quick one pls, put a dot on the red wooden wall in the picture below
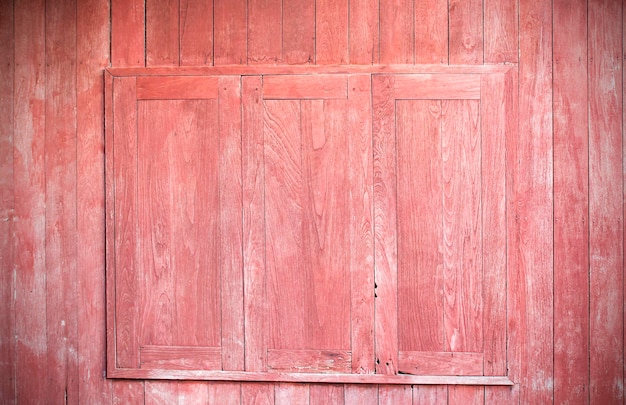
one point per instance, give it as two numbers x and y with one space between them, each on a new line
566 255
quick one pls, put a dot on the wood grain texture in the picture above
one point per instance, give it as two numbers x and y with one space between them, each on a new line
466 395
531 249
420 250
229 32
177 87
465 31
161 392
181 357
298 36
397 31
325 232
129 392
606 210
291 394
385 226
127 33
361 226
435 86
571 203
501 30
431 31
306 87
430 395
196 32
309 361
462 244
331 31
7 206
310 69
231 239
363 31
493 112
257 394
360 394
389 395
302 163
265 30
224 392
283 199
122 282
255 278
60 191
162 33
322 394
440 363
92 48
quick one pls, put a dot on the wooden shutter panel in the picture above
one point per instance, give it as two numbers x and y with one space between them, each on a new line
174 224
331 227
312 145
440 221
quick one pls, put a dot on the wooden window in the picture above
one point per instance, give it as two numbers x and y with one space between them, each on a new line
329 227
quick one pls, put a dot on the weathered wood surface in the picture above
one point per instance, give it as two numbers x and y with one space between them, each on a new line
7 205
513 31
606 203
571 203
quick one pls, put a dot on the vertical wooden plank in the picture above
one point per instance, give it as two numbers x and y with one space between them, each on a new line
193 393
194 212
493 221
358 394
161 392
571 211
431 31
430 395
531 240
60 167
501 31
92 50
231 260
255 310
162 33
224 393
462 244
122 284
465 395
361 227
178 144
324 232
7 206
385 231
257 394
265 30
397 31
466 31
498 395
229 32
127 32
128 392
298 34
363 32
323 394
606 278
282 153
196 32
395 394
420 252
291 394
331 31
